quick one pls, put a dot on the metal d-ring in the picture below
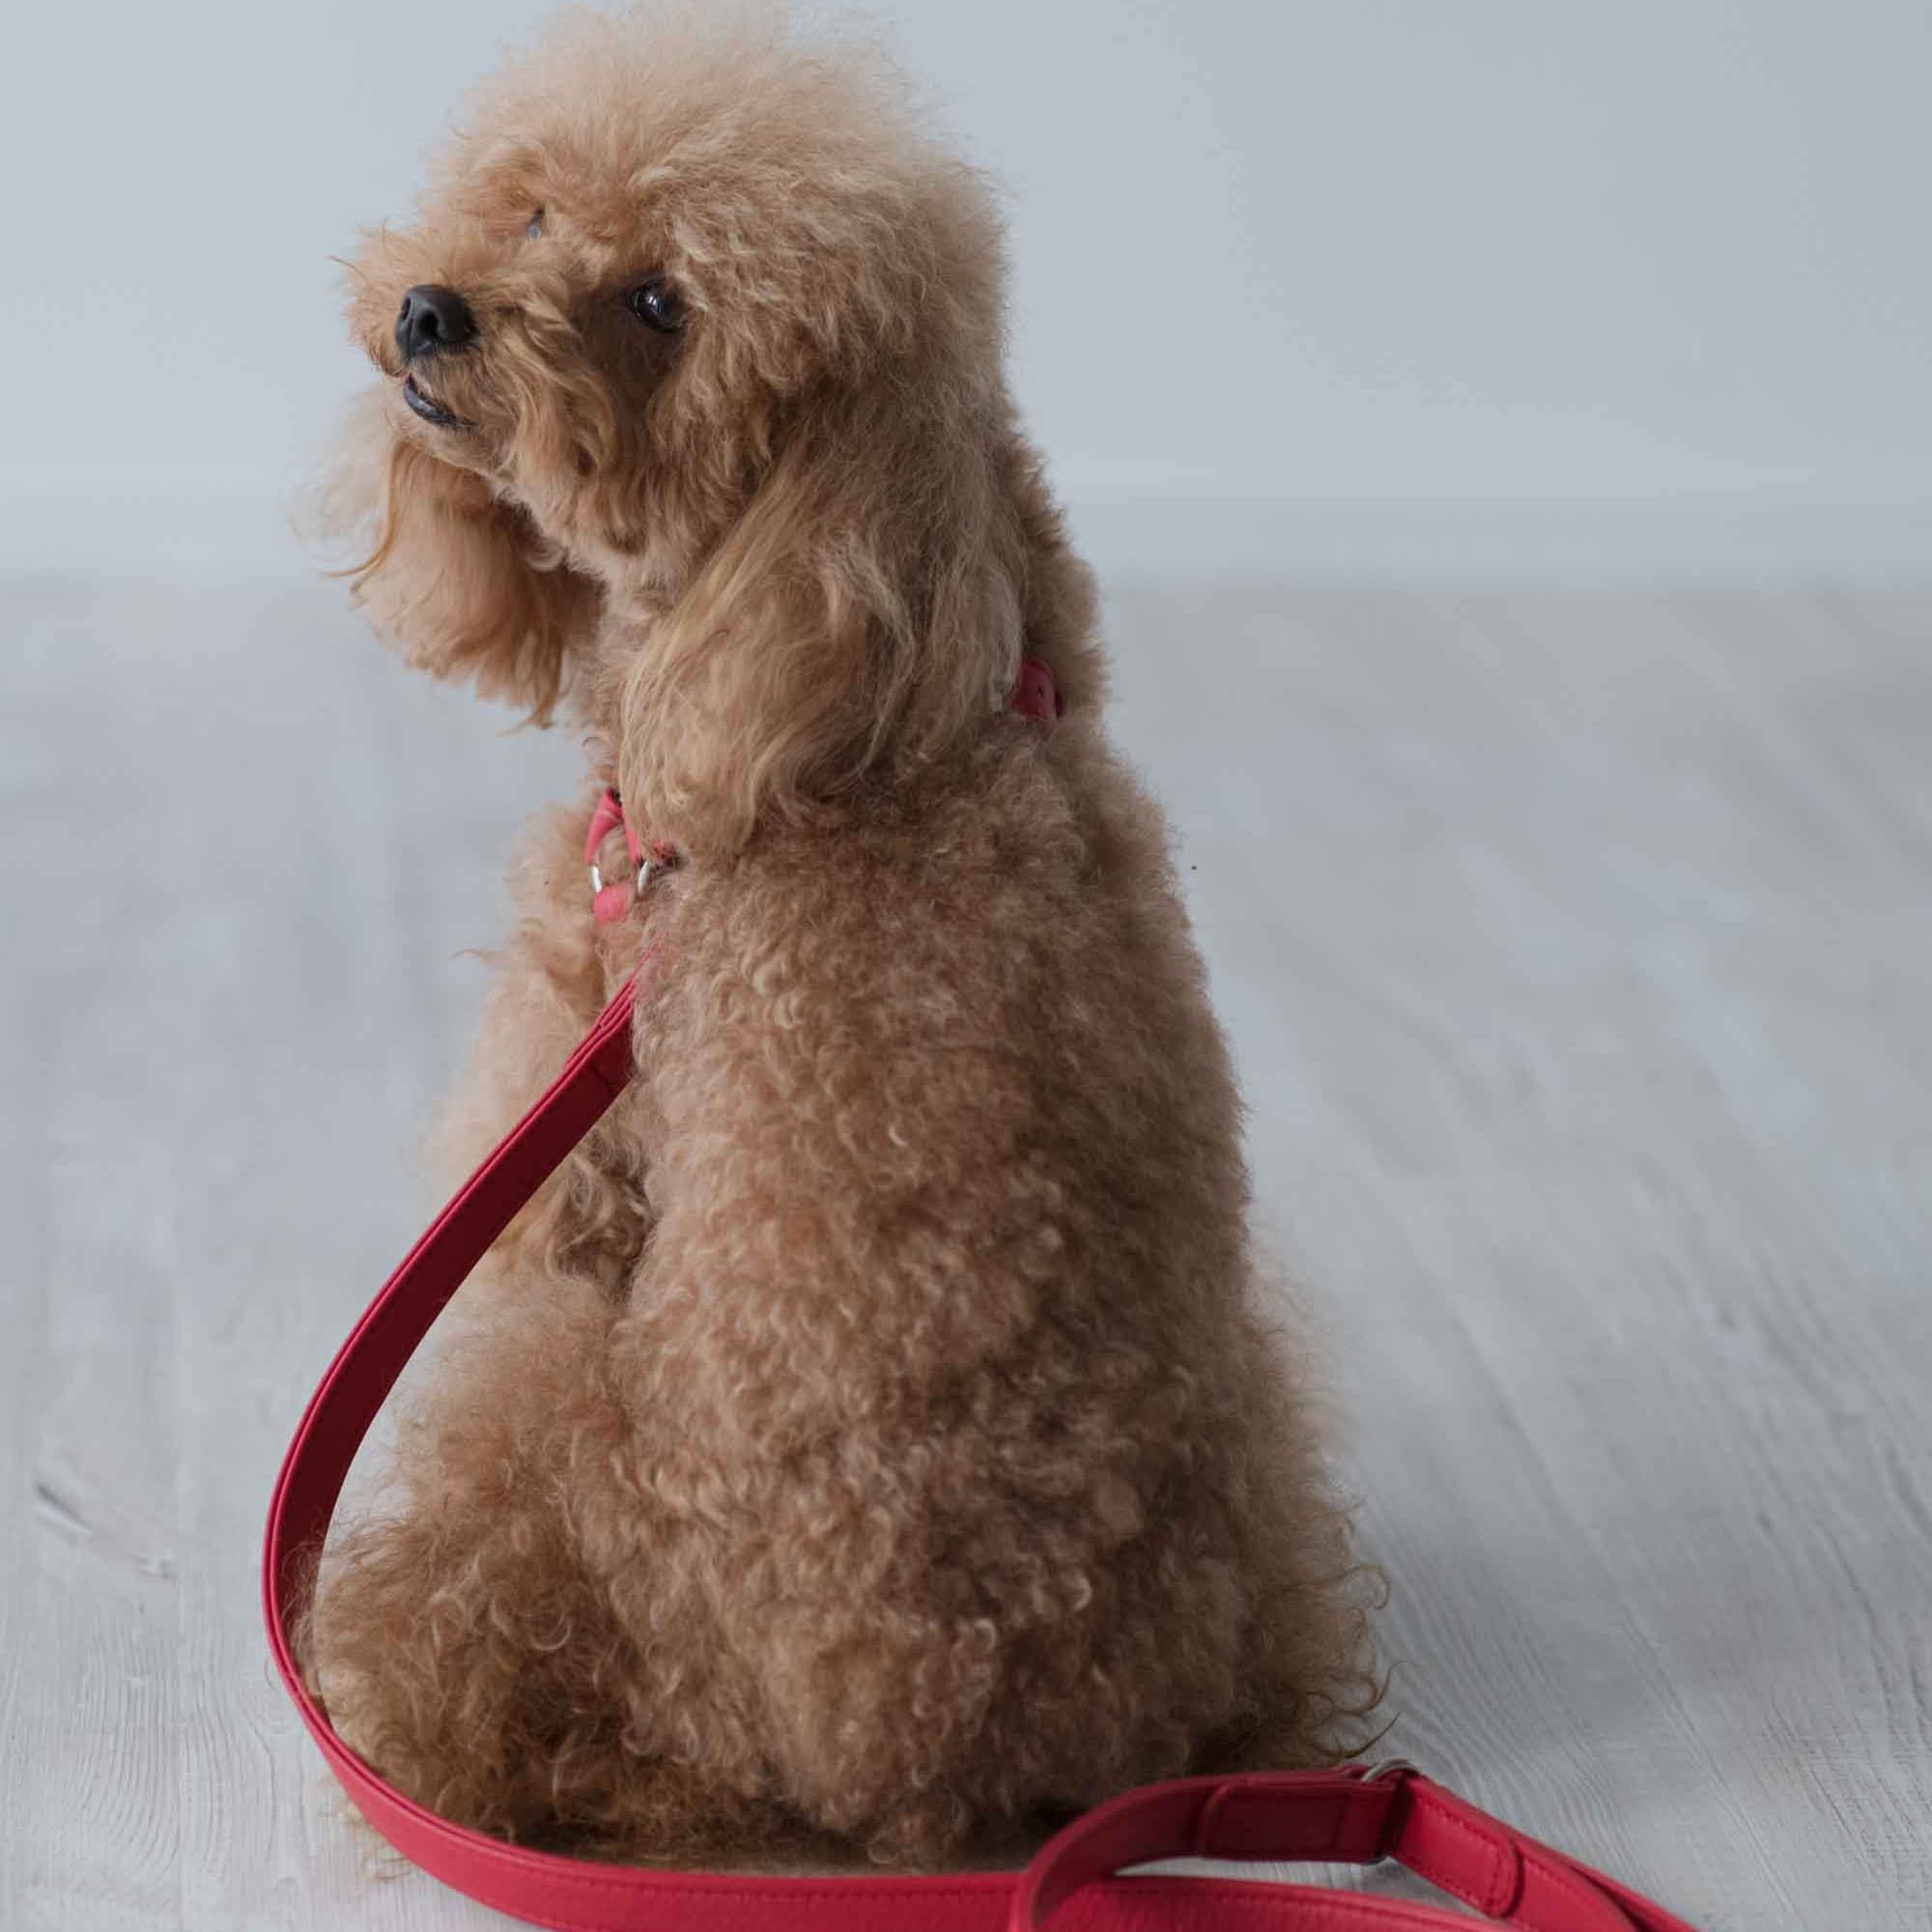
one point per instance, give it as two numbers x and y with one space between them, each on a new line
647 870
1384 1770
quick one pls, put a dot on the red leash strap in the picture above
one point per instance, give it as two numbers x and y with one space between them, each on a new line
1352 1816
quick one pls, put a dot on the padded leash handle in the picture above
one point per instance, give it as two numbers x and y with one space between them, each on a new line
1350 1816
1358 1815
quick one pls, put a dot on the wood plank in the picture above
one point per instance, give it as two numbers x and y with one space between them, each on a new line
1596 1105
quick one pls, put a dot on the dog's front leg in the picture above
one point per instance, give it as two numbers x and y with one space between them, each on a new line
456 1637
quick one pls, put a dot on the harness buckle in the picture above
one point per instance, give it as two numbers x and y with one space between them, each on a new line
610 904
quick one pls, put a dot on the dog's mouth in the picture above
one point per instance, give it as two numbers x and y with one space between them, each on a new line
431 412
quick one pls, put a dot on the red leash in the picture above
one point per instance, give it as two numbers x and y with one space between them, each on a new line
1353 1816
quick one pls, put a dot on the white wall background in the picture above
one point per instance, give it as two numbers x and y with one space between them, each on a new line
1383 282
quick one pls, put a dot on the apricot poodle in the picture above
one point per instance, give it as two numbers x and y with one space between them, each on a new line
876 1437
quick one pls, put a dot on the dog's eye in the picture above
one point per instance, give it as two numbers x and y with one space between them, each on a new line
657 306
534 226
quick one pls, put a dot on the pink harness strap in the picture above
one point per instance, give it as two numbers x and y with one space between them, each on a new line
1356 1815
1034 695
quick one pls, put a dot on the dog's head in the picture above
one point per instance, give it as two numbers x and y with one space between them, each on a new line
691 404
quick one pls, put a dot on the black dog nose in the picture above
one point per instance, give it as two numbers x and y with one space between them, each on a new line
433 317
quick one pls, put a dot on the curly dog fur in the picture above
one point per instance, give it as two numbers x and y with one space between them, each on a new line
875 1434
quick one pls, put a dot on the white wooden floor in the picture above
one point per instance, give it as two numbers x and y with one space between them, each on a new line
1577 949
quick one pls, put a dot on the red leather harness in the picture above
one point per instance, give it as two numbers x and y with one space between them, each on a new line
1357 1815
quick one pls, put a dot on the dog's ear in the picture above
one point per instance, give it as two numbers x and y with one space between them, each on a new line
871 602
459 581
